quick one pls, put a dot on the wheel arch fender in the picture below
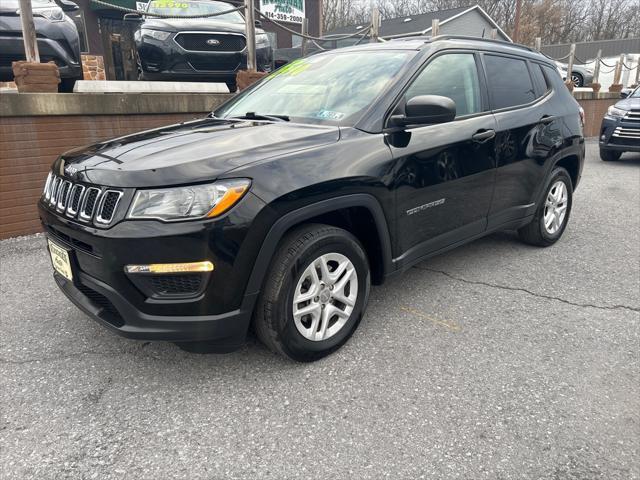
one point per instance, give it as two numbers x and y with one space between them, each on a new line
308 212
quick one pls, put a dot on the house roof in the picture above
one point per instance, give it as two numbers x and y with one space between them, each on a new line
415 24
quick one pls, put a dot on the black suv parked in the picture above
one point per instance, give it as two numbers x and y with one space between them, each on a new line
335 172
208 49
57 38
620 130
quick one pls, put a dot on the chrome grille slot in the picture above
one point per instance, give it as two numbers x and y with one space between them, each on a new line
53 199
63 194
89 203
622 132
632 116
108 205
47 186
75 196
86 203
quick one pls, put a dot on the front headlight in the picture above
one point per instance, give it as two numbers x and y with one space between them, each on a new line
54 14
262 39
616 112
190 202
157 34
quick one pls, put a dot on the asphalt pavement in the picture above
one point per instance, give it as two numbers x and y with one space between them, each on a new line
497 360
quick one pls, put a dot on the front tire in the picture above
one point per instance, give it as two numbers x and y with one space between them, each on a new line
609 155
552 215
314 294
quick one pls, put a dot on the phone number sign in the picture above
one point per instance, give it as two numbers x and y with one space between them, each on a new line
291 11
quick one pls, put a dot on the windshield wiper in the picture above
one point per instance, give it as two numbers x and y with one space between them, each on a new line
260 116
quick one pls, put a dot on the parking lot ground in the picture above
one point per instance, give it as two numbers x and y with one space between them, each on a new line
496 360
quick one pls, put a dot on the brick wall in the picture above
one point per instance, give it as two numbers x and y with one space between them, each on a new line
28 146
594 110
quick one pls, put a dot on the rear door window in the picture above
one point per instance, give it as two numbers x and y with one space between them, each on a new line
508 81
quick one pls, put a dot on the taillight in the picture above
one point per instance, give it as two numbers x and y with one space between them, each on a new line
581 110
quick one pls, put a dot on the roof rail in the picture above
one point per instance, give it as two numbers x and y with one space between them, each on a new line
428 38
492 40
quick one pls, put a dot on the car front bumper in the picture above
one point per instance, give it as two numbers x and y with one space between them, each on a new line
166 60
621 134
12 50
218 312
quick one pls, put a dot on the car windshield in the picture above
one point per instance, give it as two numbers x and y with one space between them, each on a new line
635 93
179 8
332 88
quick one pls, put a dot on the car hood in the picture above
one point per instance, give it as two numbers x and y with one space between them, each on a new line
629 104
190 152
195 24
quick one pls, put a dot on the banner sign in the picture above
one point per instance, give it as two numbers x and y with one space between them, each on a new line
291 11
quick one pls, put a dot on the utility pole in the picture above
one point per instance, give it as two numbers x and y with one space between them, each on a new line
250 30
516 22
29 32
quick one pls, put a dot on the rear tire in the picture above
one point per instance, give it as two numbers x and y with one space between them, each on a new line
552 215
609 155
320 269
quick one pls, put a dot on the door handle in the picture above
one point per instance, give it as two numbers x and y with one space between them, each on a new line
483 136
547 119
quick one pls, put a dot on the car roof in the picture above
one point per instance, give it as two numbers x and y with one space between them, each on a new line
454 41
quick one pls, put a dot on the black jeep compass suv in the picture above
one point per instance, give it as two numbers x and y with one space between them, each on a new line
334 172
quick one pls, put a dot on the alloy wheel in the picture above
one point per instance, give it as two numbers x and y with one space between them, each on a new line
555 208
325 296
577 80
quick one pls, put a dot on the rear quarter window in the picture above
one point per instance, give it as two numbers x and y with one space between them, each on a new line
538 79
509 82
553 77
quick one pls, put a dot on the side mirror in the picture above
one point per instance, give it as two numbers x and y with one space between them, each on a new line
133 17
624 93
67 5
426 110
258 23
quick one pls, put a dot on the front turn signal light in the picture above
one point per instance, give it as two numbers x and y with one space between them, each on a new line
159 268
228 200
